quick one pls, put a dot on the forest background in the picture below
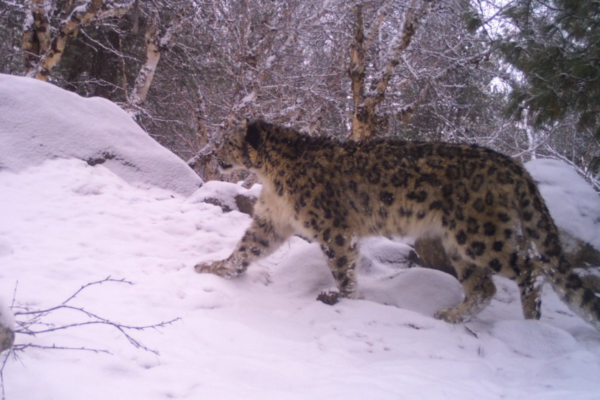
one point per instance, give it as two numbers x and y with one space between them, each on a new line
520 76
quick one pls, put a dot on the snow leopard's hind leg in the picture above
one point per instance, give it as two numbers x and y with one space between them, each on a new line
478 289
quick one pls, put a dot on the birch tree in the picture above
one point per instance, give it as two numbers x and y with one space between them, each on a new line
277 65
447 82
42 52
418 72
159 40
368 98
36 34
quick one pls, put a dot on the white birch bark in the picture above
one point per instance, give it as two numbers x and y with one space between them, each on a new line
363 119
156 45
36 34
88 13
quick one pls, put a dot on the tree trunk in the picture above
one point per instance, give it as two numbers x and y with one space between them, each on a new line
156 44
365 104
36 35
80 16
357 67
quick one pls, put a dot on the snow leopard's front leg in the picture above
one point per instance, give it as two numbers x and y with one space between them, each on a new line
261 239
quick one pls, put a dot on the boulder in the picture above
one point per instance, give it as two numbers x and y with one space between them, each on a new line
228 196
39 122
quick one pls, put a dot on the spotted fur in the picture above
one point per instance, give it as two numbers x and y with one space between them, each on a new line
484 206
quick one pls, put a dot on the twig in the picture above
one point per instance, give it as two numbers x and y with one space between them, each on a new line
12 303
2 373
107 279
27 319
22 347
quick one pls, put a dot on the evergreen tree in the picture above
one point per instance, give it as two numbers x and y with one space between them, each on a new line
556 47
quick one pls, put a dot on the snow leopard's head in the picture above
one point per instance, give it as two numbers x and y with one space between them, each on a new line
239 147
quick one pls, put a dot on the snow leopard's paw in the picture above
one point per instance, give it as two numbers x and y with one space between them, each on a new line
220 268
451 315
329 297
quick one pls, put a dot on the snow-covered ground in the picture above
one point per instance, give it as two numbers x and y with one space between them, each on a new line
64 223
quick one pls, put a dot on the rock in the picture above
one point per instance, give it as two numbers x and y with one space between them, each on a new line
227 196
40 122
216 202
245 203
429 253
7 338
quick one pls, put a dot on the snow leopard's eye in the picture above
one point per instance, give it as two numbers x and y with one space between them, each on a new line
224 166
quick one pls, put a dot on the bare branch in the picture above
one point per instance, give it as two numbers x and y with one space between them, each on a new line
363 119
28 319
81 16
87 285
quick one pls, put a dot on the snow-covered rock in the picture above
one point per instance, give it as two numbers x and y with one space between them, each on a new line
573 204
39 121
228 196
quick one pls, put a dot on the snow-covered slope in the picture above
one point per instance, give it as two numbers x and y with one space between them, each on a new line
64 223
39 121
574 205
262 336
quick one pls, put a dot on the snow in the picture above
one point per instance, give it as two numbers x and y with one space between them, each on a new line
269 61
574 205
249 98
39 121
262 336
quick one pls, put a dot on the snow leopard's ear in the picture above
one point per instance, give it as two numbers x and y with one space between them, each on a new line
254 133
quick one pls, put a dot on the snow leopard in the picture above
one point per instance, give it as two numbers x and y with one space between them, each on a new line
484 206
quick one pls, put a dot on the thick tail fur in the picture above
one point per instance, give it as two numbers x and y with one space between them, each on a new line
540 230
571 289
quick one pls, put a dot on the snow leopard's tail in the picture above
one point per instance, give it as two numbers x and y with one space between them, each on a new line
539 229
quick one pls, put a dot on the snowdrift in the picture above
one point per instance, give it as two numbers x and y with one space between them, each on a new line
39 121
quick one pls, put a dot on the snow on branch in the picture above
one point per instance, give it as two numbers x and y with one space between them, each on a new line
88 13
36 34
264 44
412 19
203 156
365 103
159 40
